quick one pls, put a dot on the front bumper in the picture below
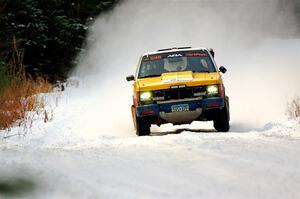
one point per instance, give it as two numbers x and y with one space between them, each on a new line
166 107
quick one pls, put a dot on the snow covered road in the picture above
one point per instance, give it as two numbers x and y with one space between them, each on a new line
182 164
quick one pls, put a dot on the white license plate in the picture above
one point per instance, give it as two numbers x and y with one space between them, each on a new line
180 108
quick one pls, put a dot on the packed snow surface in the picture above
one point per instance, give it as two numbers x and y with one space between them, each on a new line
63 159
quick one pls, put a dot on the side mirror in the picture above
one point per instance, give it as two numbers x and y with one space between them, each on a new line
222 69
130 78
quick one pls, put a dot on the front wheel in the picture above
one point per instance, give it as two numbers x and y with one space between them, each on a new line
142 127
221 121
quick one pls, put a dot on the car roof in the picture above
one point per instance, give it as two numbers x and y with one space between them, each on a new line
174 49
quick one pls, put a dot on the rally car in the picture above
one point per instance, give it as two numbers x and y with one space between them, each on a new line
179 85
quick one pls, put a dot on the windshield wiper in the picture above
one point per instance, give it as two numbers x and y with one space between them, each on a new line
202 71
150 76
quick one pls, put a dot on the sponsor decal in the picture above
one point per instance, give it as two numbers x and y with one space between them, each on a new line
196 54
175 55
156 57
176 80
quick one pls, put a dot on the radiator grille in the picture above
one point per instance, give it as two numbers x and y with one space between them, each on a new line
179 93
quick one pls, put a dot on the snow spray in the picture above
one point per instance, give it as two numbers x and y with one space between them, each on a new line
257 41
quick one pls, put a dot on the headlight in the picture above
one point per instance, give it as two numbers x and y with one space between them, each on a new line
146 96
212 89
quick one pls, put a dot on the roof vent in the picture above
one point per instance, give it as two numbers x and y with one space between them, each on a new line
165 49
184 47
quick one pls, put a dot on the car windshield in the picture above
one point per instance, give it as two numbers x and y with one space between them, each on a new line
195 61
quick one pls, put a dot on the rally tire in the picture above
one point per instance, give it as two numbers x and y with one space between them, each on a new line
142 127
221 121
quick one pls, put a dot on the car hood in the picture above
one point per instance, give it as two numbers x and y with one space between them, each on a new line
187 78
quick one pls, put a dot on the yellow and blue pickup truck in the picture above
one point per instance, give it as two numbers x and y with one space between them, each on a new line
179 85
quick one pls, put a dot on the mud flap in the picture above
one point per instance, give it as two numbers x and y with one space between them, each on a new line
227 105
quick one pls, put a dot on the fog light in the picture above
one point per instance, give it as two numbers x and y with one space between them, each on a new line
212 89
145 96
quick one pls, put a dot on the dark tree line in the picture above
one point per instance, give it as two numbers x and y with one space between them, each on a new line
50 32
